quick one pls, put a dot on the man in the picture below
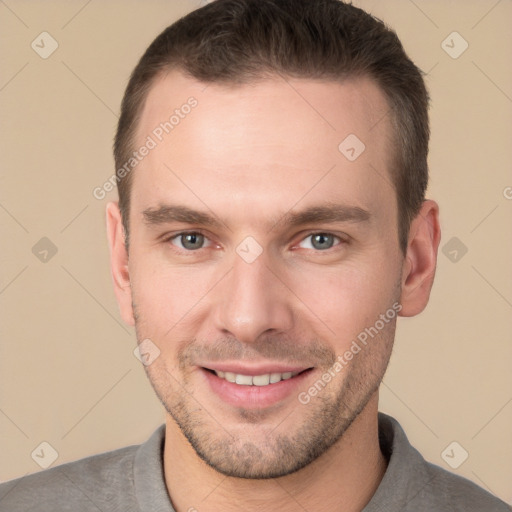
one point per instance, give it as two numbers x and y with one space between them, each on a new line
272 224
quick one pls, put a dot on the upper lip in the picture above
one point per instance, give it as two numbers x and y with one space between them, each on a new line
251 370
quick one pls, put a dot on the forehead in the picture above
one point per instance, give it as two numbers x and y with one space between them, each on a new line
274 139
327 108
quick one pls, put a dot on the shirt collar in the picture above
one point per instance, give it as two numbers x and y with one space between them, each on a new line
148 475
396 489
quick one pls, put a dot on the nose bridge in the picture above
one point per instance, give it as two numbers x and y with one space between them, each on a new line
252 301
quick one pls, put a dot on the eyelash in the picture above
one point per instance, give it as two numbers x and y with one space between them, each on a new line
169 239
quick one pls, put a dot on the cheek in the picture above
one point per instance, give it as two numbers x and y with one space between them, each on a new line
348 299
166 295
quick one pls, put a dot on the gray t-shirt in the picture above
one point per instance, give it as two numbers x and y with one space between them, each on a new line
132 480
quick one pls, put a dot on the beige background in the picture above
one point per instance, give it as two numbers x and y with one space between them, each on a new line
68 375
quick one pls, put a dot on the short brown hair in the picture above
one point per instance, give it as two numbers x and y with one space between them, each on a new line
239 41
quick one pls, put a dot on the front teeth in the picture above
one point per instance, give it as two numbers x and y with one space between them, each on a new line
243 379
255 380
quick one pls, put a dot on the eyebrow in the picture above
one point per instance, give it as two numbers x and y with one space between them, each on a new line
326 213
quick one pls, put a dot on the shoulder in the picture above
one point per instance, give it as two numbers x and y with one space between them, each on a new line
411 483
446 491
87 484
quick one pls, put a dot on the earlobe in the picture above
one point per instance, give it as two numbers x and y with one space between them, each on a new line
420 261
119 262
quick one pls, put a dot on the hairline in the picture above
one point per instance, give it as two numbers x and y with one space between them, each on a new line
393 161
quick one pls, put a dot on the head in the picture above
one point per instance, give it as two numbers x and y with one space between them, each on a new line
244 41
279 216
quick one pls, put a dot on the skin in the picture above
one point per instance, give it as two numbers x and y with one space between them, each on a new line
247 155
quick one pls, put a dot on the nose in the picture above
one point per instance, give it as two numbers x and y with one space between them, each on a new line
253 301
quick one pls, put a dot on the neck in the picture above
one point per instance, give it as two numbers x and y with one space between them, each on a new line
344 478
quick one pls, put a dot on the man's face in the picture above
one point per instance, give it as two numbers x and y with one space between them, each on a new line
261 291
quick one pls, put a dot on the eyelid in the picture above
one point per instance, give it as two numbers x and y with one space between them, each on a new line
170 237
342 240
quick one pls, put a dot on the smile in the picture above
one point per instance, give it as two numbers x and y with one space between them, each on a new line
255 387
255 380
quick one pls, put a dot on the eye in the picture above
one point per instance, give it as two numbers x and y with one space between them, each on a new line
189 241
319 241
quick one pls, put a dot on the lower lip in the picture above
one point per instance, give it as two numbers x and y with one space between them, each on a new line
254 397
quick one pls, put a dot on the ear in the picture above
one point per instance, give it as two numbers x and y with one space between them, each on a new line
119 262
420 261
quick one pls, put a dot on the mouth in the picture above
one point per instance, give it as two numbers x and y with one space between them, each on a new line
264 379
255 388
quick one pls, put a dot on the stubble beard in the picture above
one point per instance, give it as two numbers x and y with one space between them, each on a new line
280 449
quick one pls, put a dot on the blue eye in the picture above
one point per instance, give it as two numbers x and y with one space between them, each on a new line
190 241
320 241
